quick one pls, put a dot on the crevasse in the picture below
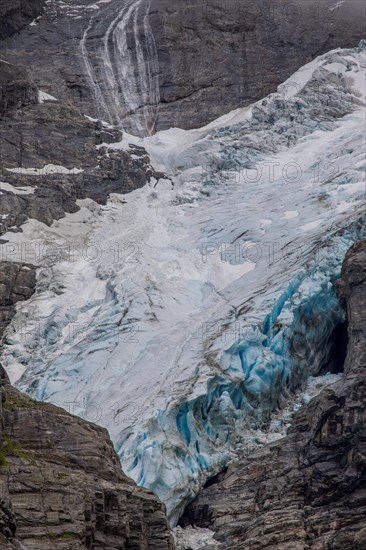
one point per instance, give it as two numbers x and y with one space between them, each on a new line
258 374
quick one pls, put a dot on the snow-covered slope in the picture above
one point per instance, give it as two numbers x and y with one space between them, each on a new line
179 316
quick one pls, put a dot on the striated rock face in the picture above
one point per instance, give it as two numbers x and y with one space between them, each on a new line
308 490
62 146
61 485
220 56
202 58
60 156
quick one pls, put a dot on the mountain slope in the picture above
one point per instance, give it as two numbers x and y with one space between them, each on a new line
181 315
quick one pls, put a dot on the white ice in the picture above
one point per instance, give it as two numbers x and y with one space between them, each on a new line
45 170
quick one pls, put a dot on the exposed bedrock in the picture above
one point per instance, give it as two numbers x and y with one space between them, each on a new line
16 88
197 60
308 490
221 56
62 486
16 14
17 283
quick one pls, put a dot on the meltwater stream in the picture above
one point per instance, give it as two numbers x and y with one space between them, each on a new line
120 57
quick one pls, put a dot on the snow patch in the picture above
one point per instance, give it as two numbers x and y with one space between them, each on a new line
46 170
26 190
344 206
336 6
290 215
194 538
43 96
311 225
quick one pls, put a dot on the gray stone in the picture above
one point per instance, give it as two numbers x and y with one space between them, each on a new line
17 282
62 487
16 88
15 14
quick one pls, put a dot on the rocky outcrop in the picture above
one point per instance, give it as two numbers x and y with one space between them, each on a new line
208 58
17 282
308 490
62 486
222 56
68 160
16 88
63 156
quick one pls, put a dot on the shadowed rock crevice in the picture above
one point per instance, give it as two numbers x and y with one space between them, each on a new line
338 344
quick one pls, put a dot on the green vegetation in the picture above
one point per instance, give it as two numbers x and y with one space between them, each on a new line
2 459
9 449
15 400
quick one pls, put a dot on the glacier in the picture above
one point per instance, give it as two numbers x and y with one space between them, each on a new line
182 315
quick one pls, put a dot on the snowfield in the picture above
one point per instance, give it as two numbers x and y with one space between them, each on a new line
181 315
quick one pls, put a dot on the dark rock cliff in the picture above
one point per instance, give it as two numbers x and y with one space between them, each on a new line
15 14
211 57
17 282
16 88
308 490
218 56
61 485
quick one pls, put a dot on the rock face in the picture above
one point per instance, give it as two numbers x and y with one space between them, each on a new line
201 60
308 490
16 88
15 14
221 56
17 282
60 155
62 486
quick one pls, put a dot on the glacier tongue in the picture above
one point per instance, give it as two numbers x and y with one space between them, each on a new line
180 316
